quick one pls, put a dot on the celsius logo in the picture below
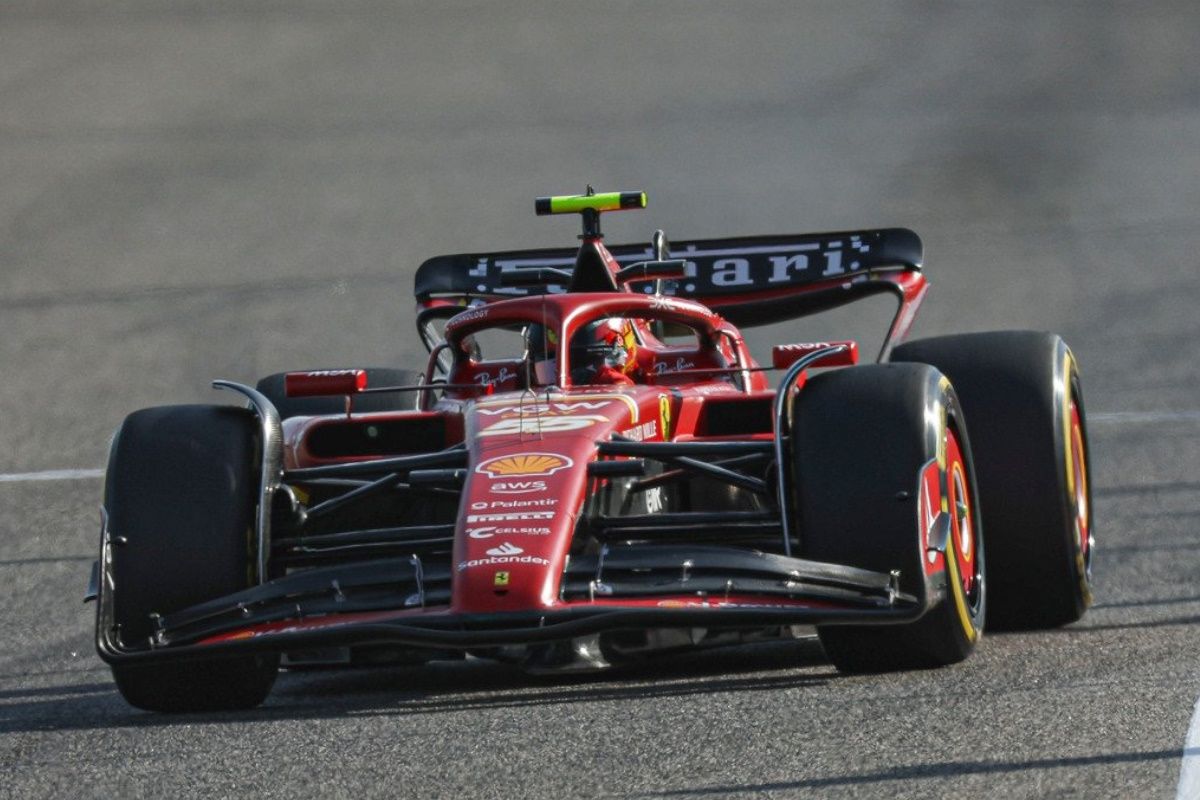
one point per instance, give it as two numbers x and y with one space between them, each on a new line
524 464
494 530
482 533
505 549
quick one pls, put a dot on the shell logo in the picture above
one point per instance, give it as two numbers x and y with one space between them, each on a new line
523 464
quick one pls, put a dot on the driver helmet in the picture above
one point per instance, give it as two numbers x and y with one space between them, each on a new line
604 351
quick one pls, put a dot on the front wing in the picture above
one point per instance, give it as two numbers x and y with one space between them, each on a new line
398 602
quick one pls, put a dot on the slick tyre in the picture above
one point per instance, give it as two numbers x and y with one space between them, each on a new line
879 451
273 387
1022 393
180 496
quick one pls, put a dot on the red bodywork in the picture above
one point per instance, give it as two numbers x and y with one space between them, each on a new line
526 485
530 439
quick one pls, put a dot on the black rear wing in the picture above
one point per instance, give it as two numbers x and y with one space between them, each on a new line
750 280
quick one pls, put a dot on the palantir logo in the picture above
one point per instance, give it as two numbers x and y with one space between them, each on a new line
505 549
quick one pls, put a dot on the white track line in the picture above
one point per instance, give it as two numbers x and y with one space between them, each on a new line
1189 770
51 475
1130 417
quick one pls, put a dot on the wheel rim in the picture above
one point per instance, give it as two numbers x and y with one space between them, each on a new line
964 545
1082 509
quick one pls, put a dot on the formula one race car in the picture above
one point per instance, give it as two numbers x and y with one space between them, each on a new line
591 468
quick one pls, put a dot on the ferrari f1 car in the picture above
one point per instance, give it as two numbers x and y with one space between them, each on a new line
592 468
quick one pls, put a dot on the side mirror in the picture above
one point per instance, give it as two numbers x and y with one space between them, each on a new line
784 355
660 245
325 382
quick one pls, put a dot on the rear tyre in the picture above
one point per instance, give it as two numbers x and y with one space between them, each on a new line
1022 393
180 493
869 442
273 387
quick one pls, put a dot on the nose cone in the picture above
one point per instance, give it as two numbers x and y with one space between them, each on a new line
525 492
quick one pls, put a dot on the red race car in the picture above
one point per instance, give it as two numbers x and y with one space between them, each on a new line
592 468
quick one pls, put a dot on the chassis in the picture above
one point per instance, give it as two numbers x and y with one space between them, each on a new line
502 508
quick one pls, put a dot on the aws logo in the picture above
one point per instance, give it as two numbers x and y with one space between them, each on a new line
518 487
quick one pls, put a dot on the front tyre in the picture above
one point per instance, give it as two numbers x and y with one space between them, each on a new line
1022 392
228 684
180 493
882 468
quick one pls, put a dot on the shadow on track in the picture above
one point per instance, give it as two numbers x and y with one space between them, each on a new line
943 769
438 688
1136 625
1154 601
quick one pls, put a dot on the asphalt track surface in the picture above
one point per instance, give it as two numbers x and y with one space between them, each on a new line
200 190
